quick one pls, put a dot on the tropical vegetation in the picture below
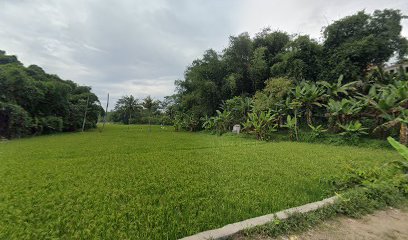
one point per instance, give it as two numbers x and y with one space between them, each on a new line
33 102
280 82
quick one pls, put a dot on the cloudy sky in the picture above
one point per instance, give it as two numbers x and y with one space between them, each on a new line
140 47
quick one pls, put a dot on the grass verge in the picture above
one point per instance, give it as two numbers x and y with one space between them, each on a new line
362 192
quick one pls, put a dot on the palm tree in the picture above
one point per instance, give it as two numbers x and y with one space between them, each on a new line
150 105
128 105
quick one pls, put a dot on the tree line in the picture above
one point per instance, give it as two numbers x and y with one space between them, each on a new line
33 102
275 80
131 110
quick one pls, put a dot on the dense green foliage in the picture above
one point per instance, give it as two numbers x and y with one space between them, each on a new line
33 102
131 183
333 83
355 42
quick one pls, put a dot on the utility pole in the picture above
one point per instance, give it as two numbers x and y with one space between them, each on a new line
106 113
86 110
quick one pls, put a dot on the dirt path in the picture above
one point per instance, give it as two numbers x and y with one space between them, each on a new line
383 225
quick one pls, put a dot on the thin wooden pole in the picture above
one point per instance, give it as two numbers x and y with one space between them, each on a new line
86 110
106 113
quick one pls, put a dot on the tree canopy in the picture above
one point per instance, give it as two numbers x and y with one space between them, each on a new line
277 81
350 47
33 102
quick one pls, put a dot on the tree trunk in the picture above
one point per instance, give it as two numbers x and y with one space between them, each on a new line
106 113
150 127
86 110
296 127
309 116
403 134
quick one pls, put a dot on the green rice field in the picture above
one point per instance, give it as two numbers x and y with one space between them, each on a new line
132 183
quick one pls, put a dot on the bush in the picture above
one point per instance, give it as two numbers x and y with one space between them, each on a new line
187 122
238 107
51 124
276 89
14 121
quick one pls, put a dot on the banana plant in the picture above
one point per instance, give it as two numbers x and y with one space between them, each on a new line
351 107
222 121
310 95
295 105
208 123
342 111
191 122
391 103
261 123
317 131
239 107
291 125
401 120
403 151
282 109
353 130
178 122
335 90
247 104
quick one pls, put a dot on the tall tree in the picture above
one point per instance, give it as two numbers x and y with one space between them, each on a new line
258 69
238 60
274 41
354 43
204 86
151 106
301 60
126 108
40 102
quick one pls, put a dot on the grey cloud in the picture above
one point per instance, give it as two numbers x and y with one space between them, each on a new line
140 47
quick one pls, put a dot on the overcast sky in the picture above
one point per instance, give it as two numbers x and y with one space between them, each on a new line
140 47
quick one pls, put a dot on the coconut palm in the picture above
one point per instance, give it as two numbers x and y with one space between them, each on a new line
128 106
151 106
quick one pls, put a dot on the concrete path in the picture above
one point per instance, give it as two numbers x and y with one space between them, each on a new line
231 229
382 225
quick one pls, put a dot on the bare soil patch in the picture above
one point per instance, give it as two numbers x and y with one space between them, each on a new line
382 225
